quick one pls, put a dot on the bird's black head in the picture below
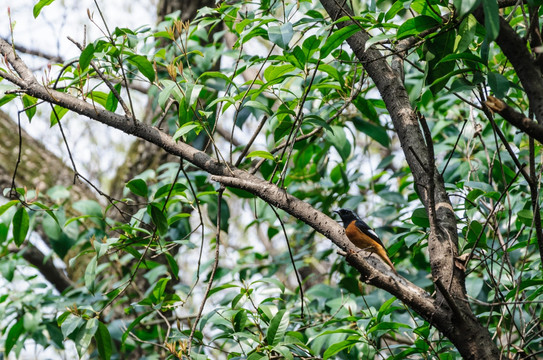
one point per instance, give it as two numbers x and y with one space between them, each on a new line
347 216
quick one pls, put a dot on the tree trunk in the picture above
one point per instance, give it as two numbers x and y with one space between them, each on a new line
472 340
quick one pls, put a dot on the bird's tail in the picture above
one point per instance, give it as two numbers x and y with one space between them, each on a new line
383 255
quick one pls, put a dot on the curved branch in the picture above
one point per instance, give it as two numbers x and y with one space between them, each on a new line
47 268
515 49
515 118
471 339
412 295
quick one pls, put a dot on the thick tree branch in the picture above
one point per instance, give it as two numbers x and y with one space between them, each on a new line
472 340
47 268
412 141
412 295
515 49
515 118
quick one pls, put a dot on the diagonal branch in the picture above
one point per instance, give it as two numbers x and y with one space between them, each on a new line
515 49
515 118
471 339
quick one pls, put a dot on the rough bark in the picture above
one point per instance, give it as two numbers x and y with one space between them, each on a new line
529 74
460 325
515 118
412 295
452 317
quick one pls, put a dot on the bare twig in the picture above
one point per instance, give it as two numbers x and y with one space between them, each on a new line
213 270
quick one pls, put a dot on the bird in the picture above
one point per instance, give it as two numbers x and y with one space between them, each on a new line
362 236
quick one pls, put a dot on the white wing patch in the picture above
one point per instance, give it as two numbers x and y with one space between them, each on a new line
369 230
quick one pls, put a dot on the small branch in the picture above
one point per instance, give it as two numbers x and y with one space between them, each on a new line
213 270
515 49
38 53
106 81
46 267
291 259
253 138
515 118
431 174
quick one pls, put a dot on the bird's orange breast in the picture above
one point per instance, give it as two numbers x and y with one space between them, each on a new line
360 239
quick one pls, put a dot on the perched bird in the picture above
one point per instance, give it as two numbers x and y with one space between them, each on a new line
362 235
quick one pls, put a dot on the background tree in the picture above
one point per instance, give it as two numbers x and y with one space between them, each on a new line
324 125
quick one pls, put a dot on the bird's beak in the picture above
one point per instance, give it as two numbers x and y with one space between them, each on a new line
336 211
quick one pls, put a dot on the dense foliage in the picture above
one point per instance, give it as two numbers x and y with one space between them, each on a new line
181 264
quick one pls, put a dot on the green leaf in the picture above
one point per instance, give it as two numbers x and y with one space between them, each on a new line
20 226
438 74
337 347
28 103
310 45
69 324
13 335
7 98
466 34
260 154
90 274
112 101
420 218
185 129
222 287
415 26
462 56
492 19
159 219
103 342
133 324
143 65
57 114
338 138
317 121
174 267
99 96
474 232
7 205
281 35
337 38
464 7
526 216
394 9
278 327
138 187
274 281
387 326
498 84
86 57
85 335
178 189
258 105
240 319
88 207
376 132
157 295
55 334
37 8
284 351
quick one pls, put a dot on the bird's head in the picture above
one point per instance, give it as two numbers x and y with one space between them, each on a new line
347 216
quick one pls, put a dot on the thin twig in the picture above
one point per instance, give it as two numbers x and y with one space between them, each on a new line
291 258
106 80
213 270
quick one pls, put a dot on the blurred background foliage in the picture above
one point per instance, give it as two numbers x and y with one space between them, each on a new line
140 262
